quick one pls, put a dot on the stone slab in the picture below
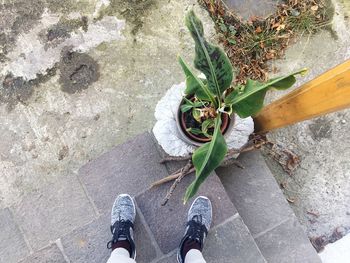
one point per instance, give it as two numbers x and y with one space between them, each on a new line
250 8
170 166
88 244
167 223
287 243
11 239
255 193
169 258
50 254
54 210
128 168
232 242
229 242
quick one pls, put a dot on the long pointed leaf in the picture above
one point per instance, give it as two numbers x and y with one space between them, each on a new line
207 158
209 59
250 100
195 85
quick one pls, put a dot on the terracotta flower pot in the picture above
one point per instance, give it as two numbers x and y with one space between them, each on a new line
226 125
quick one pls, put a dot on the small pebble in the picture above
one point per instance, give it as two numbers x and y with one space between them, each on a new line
343 121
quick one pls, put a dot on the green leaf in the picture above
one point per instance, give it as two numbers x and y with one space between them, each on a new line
186 107
195 131
251 104
232 41
209 59
249 100
197 104
285 83
207 158
223 27
207 124
195 85
232 30
196 113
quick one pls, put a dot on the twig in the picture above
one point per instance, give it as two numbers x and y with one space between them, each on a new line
184 171
171 177
231 161
313 213
175 158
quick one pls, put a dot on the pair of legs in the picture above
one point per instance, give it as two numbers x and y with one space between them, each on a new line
190 249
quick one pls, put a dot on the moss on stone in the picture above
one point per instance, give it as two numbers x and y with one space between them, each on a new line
69 6
132 11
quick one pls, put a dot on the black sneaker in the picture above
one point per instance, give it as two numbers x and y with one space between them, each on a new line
198 224
122 222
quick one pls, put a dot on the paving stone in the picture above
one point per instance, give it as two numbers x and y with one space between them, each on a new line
88 244
171 166
167 223
50 254
170 258
54 210
287 243
249 8
11 239
232 242
255 193
128 168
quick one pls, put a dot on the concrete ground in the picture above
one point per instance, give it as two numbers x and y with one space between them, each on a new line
79 77
321 185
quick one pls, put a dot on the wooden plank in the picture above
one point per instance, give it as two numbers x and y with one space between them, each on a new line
325 94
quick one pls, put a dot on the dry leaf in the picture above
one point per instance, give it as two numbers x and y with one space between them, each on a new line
314 7
258 30
276 25
270 55
253 19
280 27
291 200
211 9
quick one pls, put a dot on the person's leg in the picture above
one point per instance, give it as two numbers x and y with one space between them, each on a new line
120 255
122 225
198 224
194 256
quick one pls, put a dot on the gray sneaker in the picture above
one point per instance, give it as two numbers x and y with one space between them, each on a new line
122 222
198 224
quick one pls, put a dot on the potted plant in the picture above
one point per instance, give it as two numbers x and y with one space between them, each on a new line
207 110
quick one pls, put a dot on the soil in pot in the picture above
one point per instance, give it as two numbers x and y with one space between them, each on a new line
188 121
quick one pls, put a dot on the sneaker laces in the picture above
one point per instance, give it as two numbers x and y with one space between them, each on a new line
197 229
120 231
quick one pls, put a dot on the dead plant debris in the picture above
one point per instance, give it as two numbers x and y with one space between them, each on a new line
319 242
291 200
252 44
285 157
